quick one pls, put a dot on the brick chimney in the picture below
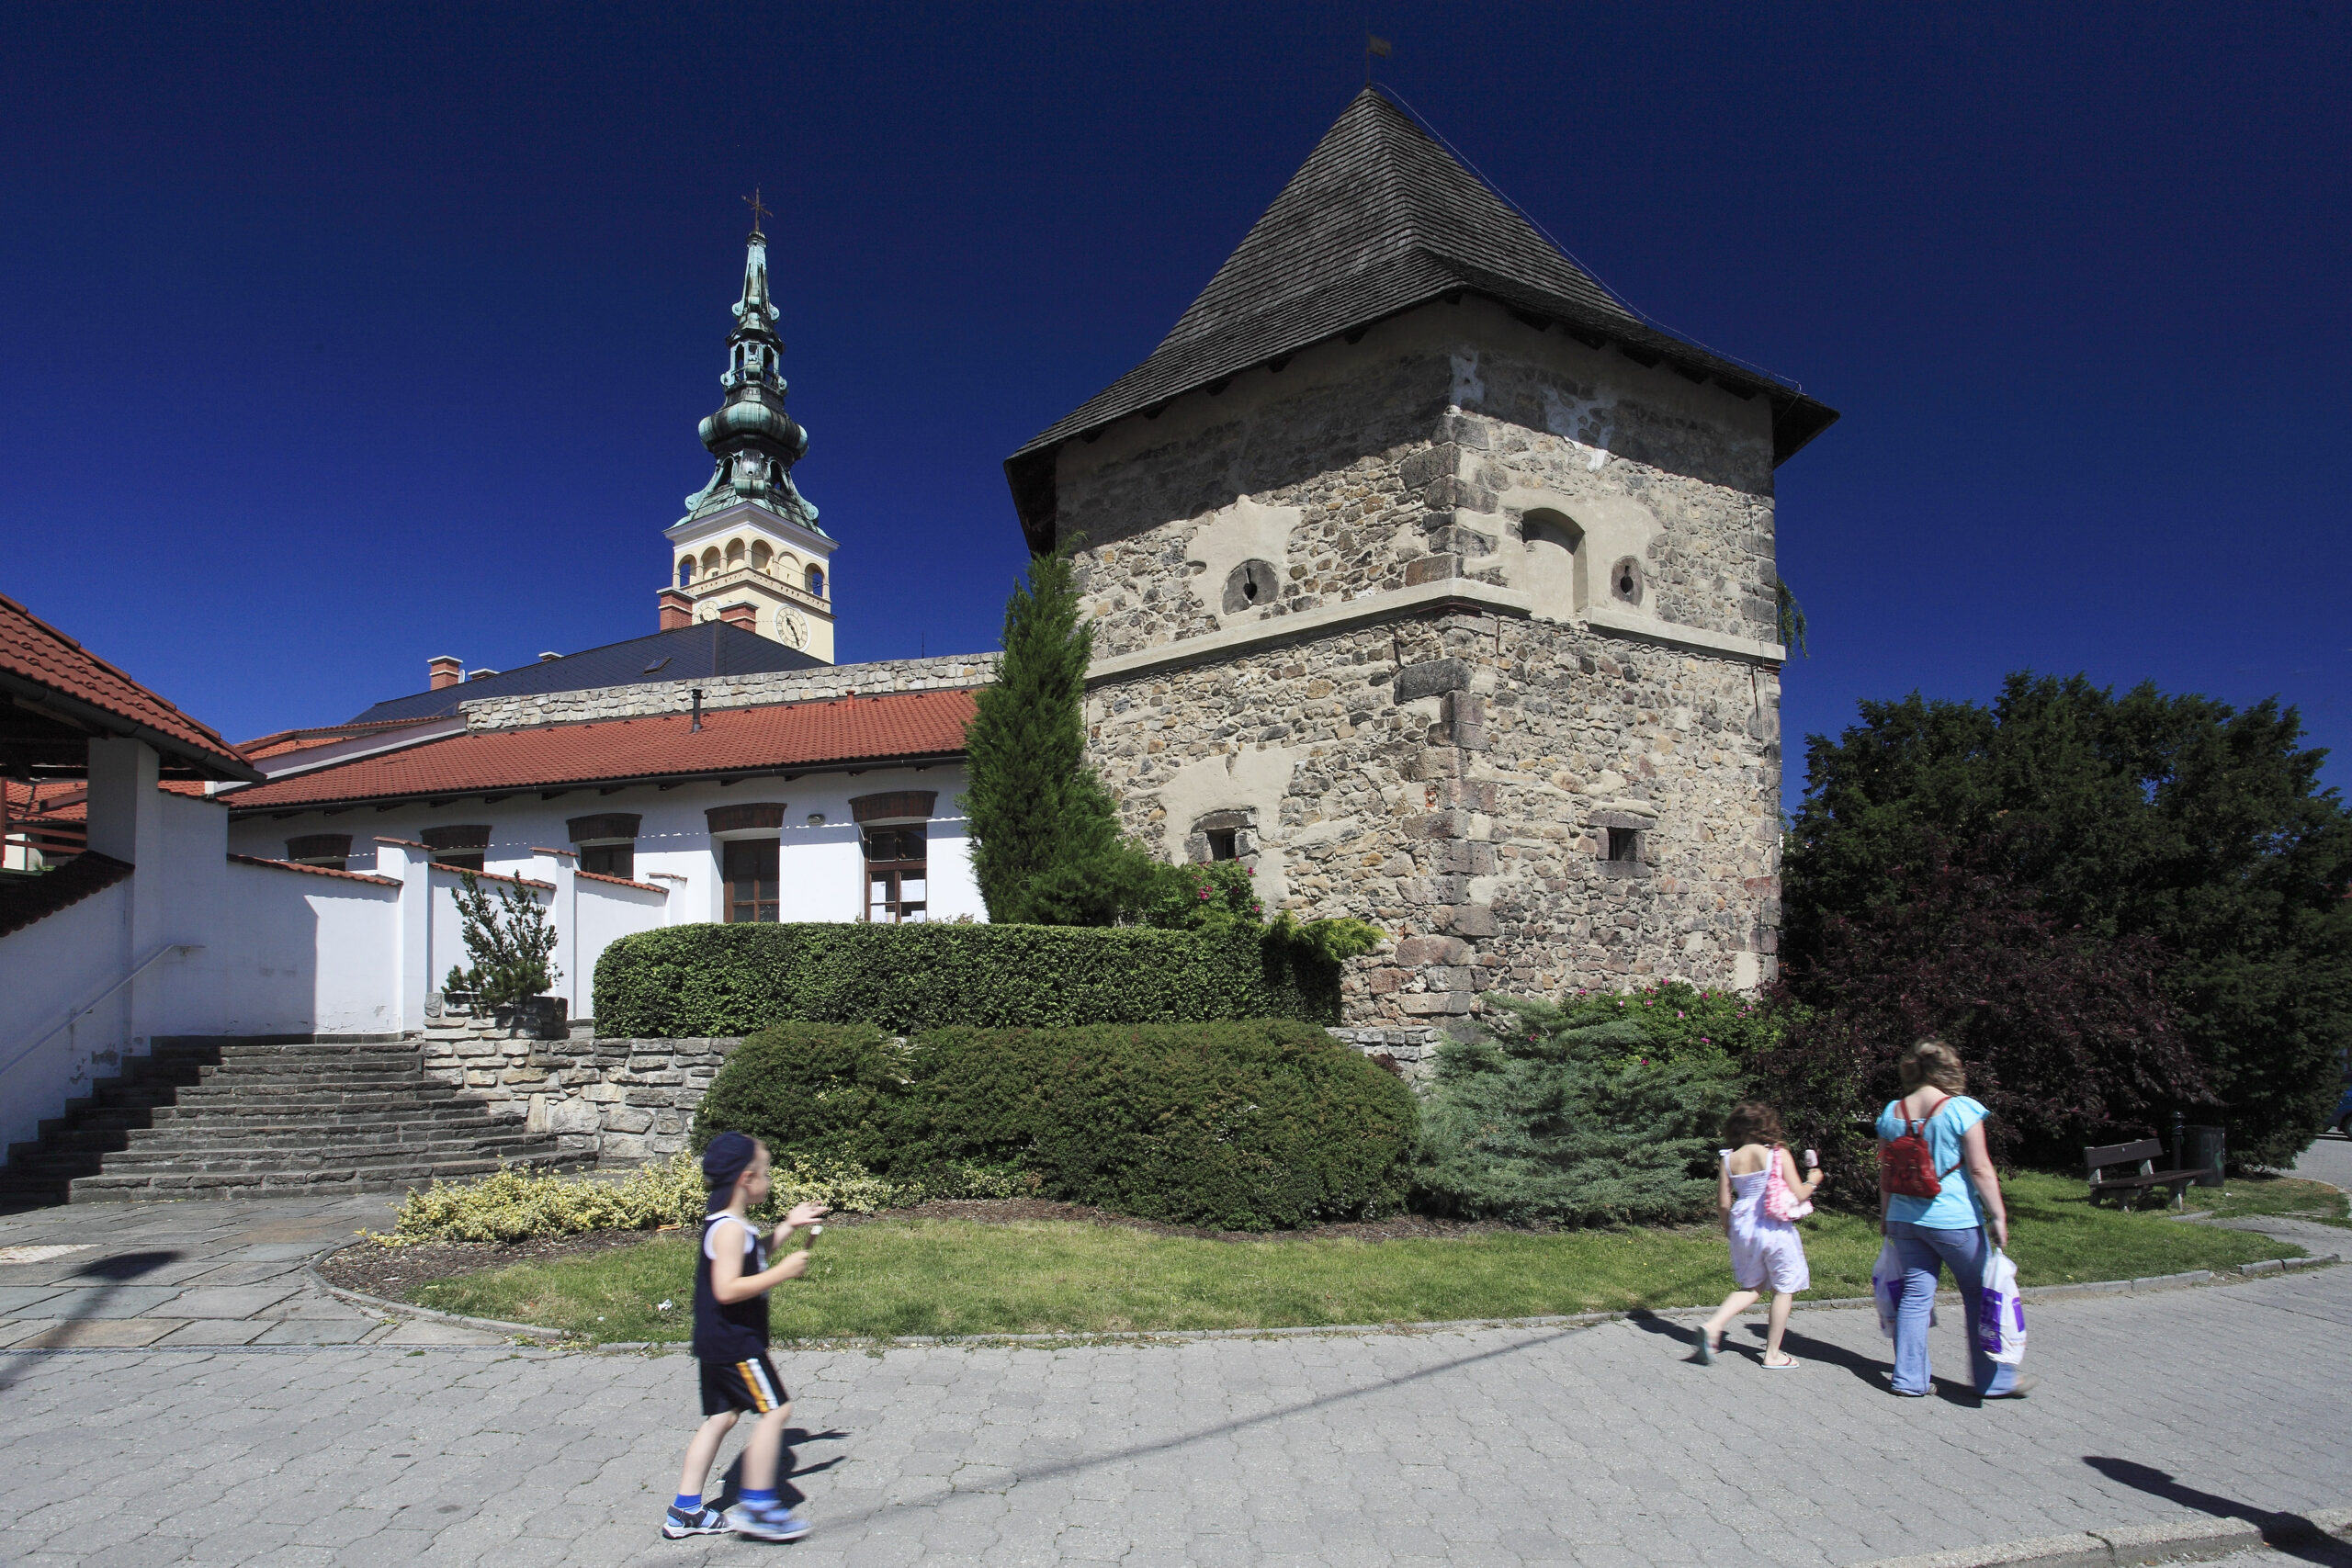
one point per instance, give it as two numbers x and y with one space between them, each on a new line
677 611
445 671
744 615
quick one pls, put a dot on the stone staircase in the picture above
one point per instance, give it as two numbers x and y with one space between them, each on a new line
228 1117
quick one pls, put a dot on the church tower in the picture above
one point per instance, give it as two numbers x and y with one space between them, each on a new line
748 550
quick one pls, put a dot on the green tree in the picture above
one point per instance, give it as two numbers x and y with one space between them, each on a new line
510 940
1046 842
2200 828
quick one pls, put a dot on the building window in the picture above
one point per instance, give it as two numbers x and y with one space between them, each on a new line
897 886
1624 844
606 843
1223 835
329 850
459 847
817 580
753 890
685 570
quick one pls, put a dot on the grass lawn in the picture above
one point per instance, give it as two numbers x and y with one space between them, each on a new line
892 1277
2314 1201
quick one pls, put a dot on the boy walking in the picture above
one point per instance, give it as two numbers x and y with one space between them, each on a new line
733 1278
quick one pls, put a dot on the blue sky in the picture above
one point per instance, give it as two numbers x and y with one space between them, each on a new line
335 337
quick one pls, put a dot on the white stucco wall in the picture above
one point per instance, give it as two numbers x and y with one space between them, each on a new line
823 871
47 970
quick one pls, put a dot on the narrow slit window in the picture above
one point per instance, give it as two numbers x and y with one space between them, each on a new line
1625 845
1223 844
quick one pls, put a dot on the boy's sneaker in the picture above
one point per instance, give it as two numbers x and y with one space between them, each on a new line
769 1522
705 1521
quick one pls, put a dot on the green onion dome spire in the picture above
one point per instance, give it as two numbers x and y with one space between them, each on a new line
753 442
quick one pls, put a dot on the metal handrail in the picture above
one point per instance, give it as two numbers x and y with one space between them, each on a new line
91 1004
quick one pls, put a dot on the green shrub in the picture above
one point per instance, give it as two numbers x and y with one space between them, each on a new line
1240 1125
1556 1119
819 1091
516 1205
701 980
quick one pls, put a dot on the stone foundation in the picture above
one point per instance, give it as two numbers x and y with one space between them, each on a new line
621 1100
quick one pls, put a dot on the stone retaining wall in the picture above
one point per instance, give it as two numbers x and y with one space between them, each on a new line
626 1101
653 697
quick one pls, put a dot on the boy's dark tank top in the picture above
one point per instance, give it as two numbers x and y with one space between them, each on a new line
729 1331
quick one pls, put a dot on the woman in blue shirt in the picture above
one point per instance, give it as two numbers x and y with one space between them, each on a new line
1948 1229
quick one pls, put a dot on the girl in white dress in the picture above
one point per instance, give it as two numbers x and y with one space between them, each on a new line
1764 1251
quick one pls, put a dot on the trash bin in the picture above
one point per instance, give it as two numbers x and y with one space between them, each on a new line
2202 1148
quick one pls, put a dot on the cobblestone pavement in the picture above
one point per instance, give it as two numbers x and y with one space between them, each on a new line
123 1275
1594 1446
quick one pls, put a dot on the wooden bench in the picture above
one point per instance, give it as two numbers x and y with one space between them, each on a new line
2127 1189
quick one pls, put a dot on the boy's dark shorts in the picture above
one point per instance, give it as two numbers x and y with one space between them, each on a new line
741 1385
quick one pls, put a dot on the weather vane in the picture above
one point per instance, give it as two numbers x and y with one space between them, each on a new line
758 211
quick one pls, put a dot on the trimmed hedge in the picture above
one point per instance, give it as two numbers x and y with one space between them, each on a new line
1250 1125
703 980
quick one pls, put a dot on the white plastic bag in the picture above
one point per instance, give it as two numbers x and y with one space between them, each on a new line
1886 1287
2000 1315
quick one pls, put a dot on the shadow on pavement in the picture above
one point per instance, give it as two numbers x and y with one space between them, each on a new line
2289 1535
117 1271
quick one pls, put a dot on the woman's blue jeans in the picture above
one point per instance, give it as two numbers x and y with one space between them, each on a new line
1926 1251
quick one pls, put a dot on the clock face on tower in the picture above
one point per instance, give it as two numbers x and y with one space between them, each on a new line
790 629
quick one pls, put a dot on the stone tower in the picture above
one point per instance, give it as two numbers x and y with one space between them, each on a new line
749 550
1433 581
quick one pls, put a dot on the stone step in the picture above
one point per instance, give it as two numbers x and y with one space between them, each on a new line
333 1119
487 1146
409 1134
316 1072
232 1184
239 1132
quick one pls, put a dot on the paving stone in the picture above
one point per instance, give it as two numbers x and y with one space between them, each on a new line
116 1332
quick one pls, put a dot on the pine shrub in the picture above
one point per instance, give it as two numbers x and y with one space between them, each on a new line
1556 1119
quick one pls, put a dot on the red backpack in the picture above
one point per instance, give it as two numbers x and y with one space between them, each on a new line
1908 1163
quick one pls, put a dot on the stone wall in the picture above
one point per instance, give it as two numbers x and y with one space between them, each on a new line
1416 455
1543 791
621 1100
732 690
1454 779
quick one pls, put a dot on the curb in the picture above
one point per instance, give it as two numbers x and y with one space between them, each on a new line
2132 1545
534 1332
565 1339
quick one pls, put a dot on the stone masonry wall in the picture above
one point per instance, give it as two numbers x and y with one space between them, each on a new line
621 1100
1454 775
1413 457
732 690
1454 779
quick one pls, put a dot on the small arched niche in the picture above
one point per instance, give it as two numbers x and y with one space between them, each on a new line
761 555
1552 566
710 561
1251 585
734 554
685 570
816 580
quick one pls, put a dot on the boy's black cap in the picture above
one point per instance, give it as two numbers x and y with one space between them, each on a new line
728 1156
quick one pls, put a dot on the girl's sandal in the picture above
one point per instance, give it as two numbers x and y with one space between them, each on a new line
1787 1363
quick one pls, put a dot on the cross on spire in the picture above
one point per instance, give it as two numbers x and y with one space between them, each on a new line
758 211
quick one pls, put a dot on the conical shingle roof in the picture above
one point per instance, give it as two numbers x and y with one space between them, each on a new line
1379 220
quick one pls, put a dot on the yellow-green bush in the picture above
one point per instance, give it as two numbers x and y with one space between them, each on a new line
517 1205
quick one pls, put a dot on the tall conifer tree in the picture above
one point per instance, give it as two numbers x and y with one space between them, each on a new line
1045 841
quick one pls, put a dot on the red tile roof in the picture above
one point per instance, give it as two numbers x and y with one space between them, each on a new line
621 882
285 740
314 870
25 900
732 740
43 666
